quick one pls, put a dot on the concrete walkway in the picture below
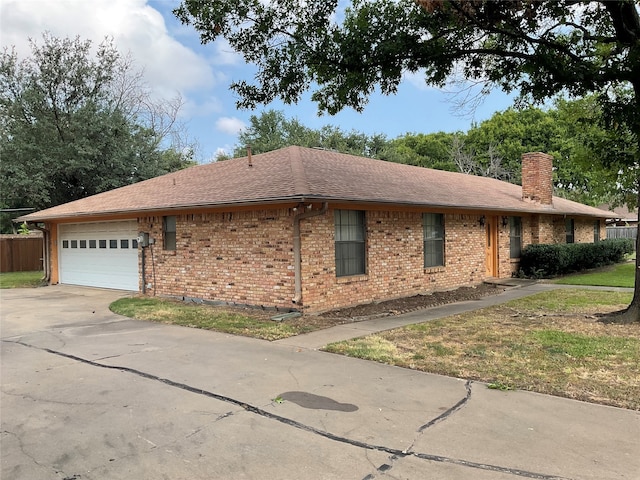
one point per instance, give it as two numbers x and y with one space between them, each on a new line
516 288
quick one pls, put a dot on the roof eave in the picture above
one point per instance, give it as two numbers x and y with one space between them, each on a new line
169 208
541 209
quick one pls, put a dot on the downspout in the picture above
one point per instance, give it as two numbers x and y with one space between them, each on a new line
144 276
297 246
46 257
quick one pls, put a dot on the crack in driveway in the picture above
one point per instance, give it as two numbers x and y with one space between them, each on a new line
443 416
397 453
450 411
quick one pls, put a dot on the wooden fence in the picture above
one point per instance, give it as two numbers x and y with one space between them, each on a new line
20 253
622 232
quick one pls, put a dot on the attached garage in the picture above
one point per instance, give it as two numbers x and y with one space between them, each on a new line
101 254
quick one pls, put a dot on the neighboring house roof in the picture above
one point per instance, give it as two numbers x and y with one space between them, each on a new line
297 174
622 213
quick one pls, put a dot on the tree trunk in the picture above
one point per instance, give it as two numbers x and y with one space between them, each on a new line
634 308
632 313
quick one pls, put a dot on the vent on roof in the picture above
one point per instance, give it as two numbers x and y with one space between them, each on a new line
326 149
249 155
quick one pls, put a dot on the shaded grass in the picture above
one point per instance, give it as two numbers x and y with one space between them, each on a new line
619 275
550 343
21 279
246 322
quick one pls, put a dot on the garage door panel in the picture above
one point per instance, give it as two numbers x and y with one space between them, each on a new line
101 254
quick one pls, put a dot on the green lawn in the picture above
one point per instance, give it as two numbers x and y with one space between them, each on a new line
21 279
247 322
619 275
550 343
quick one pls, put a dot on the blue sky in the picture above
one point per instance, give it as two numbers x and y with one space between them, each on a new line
175 62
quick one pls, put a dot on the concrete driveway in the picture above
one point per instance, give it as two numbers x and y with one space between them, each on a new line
87 394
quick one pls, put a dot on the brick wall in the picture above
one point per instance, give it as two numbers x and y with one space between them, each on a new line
555 230
583 230
506 265
395 260
246 257
241 257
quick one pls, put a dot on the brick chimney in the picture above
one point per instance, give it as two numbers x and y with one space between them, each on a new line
537 178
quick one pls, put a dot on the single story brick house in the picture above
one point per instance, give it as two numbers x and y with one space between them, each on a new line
309 229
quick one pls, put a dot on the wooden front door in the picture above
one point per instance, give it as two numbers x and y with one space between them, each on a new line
491 246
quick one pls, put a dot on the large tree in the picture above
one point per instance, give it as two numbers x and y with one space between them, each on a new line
538 48
75 122
272 130
430 150
589 159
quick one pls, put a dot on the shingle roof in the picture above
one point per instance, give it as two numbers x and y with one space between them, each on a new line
297 174
622 212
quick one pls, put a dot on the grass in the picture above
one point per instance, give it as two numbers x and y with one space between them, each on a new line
619 275
246 322
21 279
550 343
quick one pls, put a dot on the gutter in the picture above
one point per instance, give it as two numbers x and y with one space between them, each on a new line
297 246
133 214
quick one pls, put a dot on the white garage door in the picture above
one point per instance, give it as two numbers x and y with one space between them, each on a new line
101 254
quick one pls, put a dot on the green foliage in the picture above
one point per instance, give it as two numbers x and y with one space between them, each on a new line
505 387
272 130
559 259
512 133
74 123
587 165
596 161
431 150
24 229
540 49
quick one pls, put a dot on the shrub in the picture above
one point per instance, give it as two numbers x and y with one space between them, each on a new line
559 259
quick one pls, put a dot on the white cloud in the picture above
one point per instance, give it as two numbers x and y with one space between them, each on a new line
225 54
169 66
230 125
201 108
417 79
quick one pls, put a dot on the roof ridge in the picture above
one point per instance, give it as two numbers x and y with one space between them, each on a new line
300 184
